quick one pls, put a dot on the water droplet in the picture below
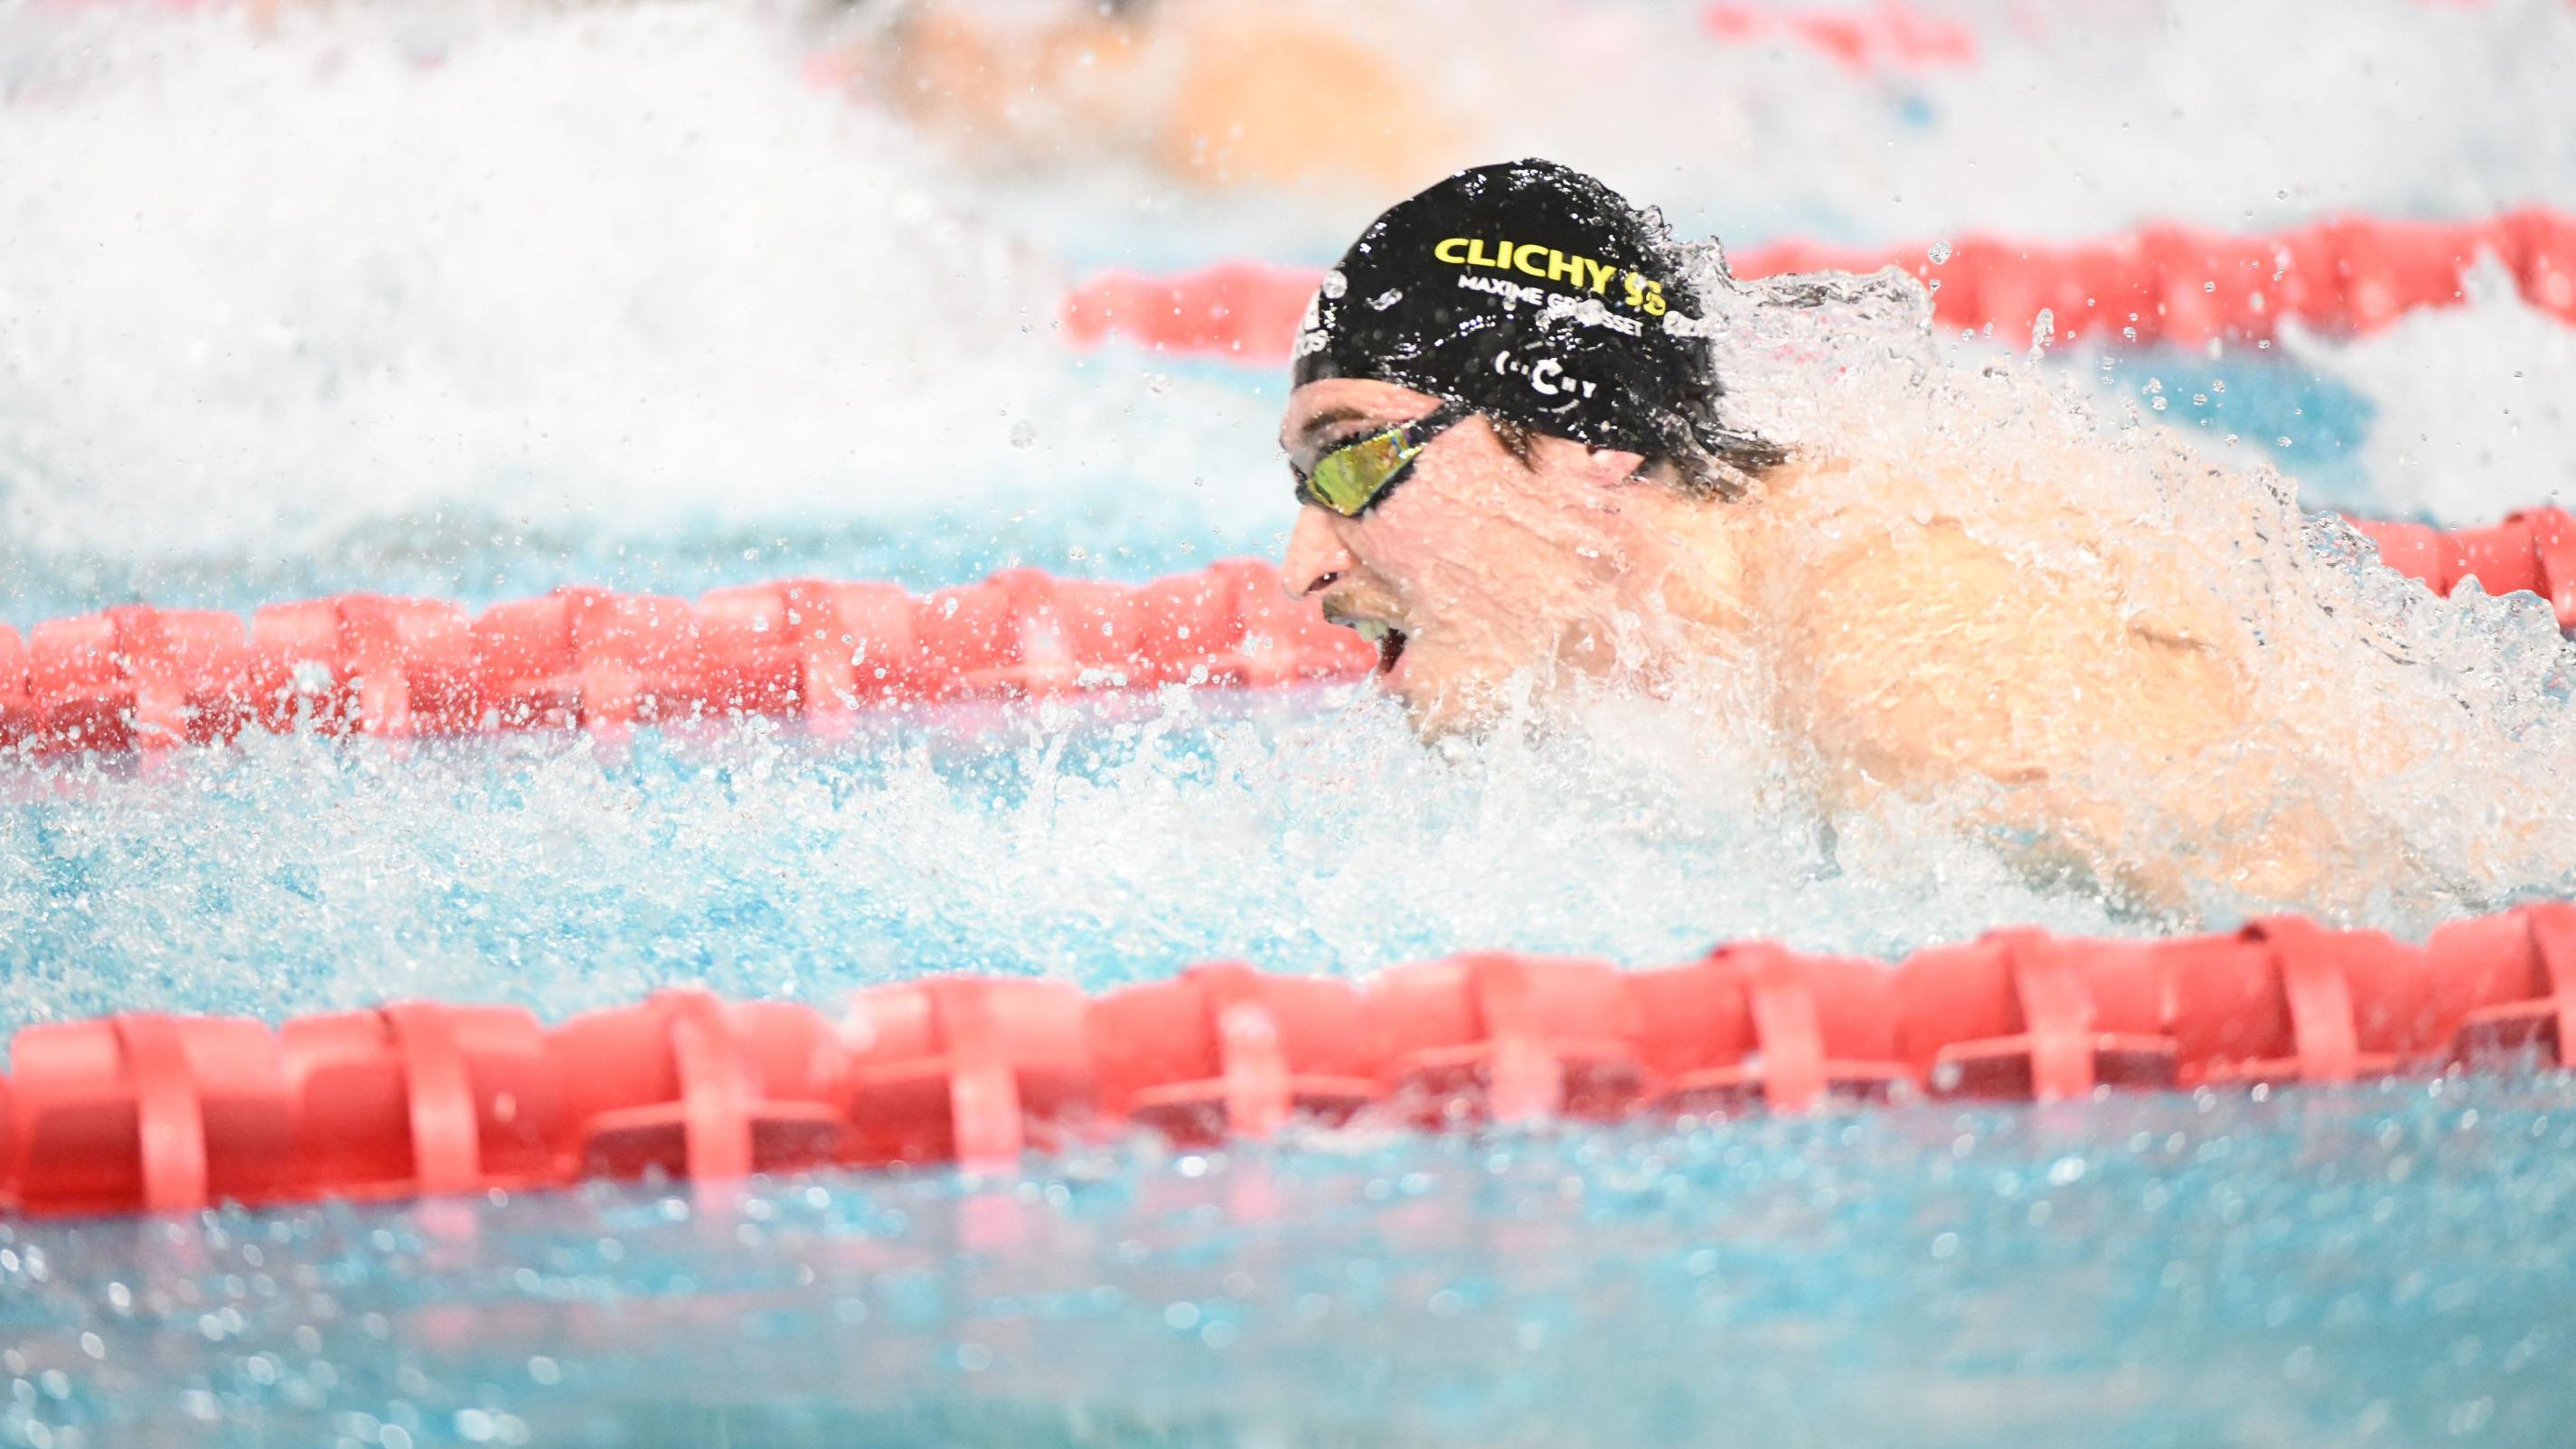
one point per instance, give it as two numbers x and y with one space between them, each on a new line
1940 252
1024 434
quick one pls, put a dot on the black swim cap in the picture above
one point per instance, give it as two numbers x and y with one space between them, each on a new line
1528 291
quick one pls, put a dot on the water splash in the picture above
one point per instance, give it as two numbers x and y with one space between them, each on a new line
296 874
2472 414
2384 1263
470 301
2424 741
562 327
451 285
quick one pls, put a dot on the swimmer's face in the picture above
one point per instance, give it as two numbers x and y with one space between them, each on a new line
1476 567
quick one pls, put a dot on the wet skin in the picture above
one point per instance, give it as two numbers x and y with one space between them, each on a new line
1899 650
1488 568
1215 93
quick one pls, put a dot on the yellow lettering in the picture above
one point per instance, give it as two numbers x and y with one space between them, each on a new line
1521 258
1441 252
1636 290
1601 273
1654 299
1565 267
1476 254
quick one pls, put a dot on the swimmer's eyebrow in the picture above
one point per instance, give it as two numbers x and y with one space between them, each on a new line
1328 418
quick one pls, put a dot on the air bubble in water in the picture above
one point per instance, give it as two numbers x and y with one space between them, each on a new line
1024 434
1940 252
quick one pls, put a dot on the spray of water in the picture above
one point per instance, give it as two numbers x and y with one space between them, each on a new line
483 298
1315 834
2415 745
2472 415
432 283
417 290
459 299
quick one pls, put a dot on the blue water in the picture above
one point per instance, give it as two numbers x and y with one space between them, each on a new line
1124 525
2392 1264
475 302
1116 841
2381 1266
2310 426
1120 525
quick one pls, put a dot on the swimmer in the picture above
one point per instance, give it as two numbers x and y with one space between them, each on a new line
1515 470
1214 93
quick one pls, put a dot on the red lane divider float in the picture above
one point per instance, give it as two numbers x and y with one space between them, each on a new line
2531 551
1884 37
137 677
164 1114
2161 283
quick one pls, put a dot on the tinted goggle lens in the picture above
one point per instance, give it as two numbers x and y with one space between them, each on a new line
1347 480
1351 479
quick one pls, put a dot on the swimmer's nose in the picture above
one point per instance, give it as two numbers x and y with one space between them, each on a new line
1316 556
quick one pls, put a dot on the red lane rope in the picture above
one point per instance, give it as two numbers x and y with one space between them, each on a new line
2531 551
1885 37
165 1114
2161 283
138 677
159 1113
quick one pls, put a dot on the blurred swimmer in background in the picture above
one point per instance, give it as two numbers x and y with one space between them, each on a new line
1515 469
1215 93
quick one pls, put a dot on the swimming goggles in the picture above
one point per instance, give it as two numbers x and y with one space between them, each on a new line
1357 476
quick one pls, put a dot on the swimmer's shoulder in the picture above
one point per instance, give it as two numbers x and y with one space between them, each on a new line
1813 486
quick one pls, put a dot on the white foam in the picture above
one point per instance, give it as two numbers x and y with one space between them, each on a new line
620 272
2430 739
2472 416
604 270
2072 122
298 874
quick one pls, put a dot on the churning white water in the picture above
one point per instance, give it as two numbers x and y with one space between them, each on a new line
477 300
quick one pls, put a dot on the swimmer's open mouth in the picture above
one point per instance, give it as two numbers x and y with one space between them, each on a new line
1390 649
1390 640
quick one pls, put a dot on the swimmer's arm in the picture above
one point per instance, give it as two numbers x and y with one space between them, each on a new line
1924 659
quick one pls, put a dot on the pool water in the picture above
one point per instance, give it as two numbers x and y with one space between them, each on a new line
474 301
1304 830
2379 1266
